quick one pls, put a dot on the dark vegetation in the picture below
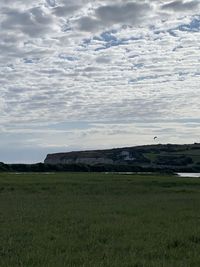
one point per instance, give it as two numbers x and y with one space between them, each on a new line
99 220
152 158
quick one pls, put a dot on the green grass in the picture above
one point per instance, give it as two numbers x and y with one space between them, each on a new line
194 154
151 156
95 220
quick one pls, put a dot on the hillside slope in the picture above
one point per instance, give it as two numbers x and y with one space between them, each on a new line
162 156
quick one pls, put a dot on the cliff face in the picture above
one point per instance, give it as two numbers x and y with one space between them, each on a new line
150 155
113 156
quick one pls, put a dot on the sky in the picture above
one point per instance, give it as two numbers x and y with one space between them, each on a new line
95 74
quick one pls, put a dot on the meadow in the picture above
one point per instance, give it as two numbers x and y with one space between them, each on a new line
99 220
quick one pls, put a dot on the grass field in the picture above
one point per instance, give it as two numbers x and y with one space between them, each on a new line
93 220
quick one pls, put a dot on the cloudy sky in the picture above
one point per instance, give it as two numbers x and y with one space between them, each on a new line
89 74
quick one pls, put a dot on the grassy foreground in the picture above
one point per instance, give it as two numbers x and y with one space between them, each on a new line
93 220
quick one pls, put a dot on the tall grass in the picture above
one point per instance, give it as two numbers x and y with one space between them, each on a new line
95 220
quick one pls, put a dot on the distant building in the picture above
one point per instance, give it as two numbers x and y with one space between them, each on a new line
126 155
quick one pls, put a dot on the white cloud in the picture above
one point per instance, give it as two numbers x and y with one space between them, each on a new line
180 5
136 61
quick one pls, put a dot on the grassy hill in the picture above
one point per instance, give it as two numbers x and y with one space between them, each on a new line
161 158
169 156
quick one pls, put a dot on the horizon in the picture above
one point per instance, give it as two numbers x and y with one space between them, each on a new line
96 75
112 148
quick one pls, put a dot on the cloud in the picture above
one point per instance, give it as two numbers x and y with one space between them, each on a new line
33 22
181 6
109 62
108 15
65 10
105 59
130 13
88 24
51 3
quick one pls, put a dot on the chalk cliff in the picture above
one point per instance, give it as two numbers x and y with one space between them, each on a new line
149 155
93 157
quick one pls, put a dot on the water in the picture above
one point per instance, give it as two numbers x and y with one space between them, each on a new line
189 175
